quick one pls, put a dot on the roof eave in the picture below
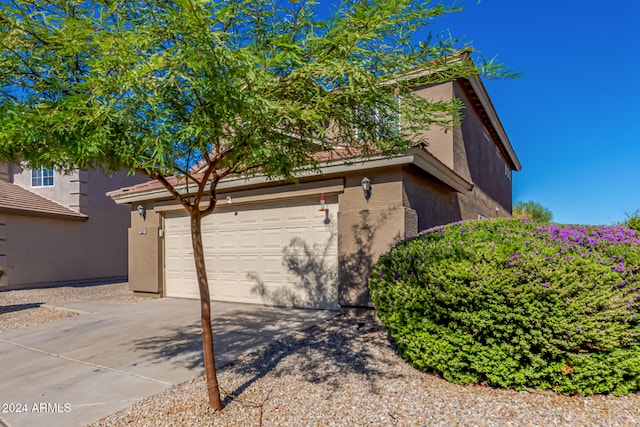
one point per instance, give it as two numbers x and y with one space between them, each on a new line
485 101
417 156
39 214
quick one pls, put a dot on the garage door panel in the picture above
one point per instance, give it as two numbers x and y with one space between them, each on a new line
266 254
248 239
271 265
246 263
271 238
245 217
228 264
224 219
240 293
295 233
270 216
212 262
296 216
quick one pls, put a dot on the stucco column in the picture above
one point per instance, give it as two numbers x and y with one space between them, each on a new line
145 253
367 229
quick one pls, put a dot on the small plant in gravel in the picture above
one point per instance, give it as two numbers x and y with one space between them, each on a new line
516 304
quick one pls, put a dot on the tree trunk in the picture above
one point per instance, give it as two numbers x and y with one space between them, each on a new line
205 308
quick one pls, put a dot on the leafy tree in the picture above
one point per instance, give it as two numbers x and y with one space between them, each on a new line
532 210
236 88
632 220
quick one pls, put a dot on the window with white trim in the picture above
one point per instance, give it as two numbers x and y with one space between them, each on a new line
42 177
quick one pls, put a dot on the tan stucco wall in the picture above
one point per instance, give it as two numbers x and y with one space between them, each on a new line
478 159
43 251
439 143
365 229
146 258
405 200
434 202
368 229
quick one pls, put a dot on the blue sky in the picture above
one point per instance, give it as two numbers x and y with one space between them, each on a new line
573 117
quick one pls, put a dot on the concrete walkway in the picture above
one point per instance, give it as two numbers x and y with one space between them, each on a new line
74 371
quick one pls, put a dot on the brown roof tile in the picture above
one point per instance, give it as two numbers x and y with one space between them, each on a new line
16 200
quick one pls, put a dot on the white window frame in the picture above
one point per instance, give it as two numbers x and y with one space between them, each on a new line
42 177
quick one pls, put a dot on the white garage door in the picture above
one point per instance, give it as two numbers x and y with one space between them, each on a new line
280 253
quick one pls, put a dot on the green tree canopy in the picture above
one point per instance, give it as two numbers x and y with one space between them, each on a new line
236 87
532 210
259 85
632 220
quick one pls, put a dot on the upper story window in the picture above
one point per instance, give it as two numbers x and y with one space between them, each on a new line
42 177
377 122
507 172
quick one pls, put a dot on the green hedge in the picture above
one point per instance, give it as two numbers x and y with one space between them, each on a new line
514 304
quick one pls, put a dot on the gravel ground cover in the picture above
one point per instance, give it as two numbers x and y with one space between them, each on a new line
345 372
25 307
342 372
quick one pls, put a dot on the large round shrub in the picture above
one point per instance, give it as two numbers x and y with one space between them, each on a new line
515 304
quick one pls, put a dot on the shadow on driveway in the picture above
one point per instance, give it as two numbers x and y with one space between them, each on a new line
323 352
235 333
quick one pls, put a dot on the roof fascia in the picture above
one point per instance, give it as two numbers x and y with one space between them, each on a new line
487 105
39 214
416 156
430 164
231 183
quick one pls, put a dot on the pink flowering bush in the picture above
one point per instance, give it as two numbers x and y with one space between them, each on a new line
516 304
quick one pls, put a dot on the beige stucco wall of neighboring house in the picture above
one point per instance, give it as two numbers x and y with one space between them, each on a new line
43 250
3 251
4 172
70 190
49 250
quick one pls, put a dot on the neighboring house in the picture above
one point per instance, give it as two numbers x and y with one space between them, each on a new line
268 243
57 228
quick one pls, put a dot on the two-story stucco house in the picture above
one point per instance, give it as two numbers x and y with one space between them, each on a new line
270 243
58 228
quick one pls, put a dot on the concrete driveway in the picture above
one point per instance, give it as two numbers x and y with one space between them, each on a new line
74 371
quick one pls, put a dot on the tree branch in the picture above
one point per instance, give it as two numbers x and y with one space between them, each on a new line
172 190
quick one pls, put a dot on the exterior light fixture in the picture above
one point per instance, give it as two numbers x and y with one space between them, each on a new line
229 200
142 212
366 188
322 203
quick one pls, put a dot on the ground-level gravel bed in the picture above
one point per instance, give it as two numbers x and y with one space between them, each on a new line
345 372
26 307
